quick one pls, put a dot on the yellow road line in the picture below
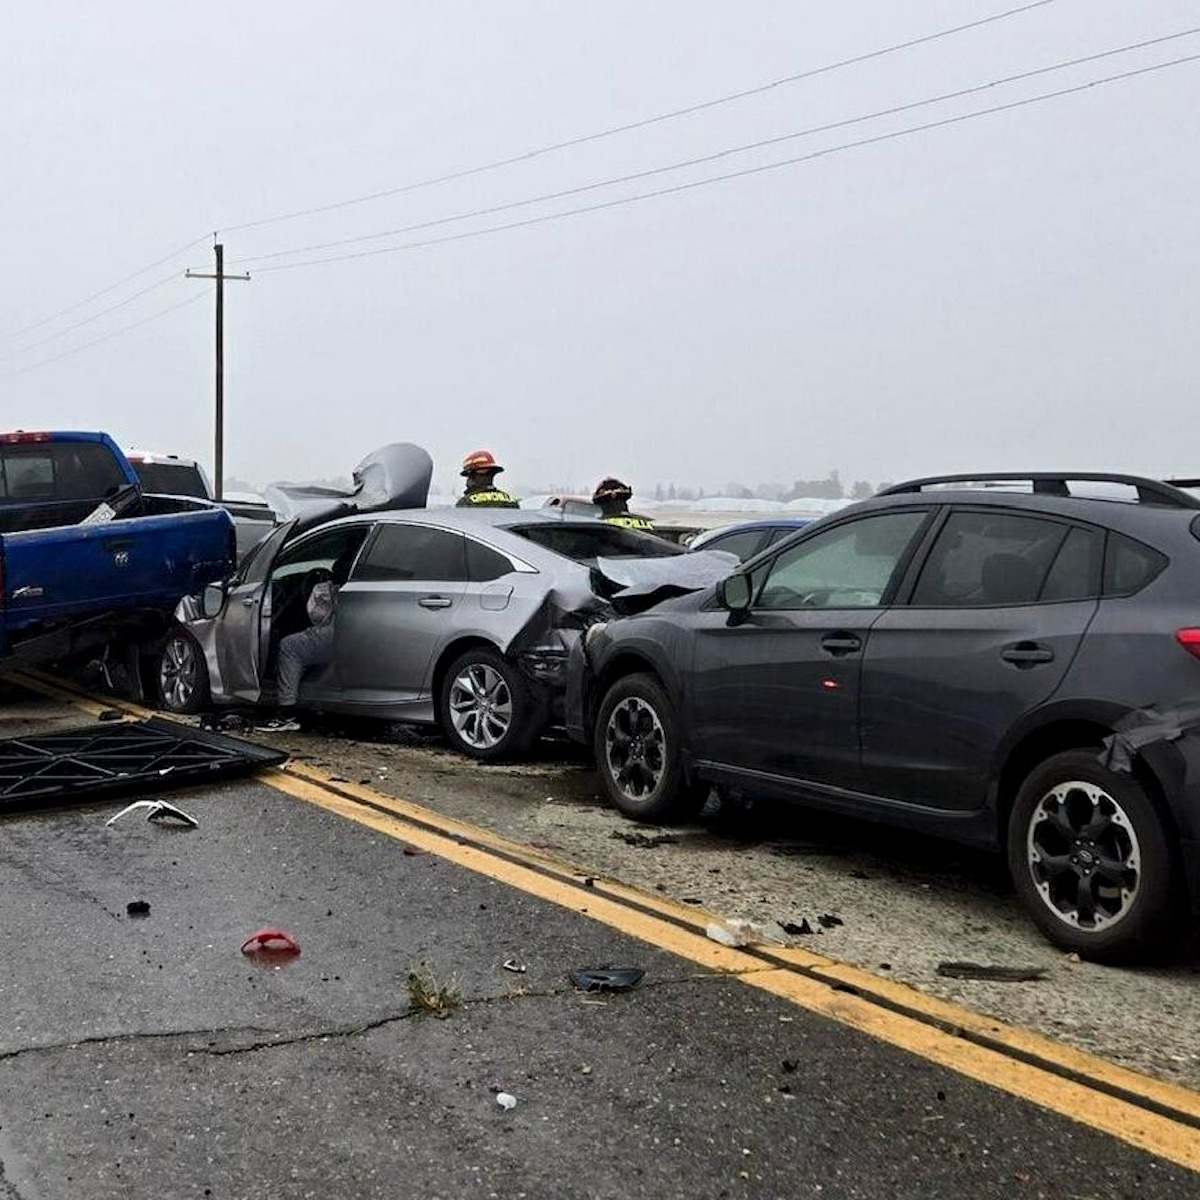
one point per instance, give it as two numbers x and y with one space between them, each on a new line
1070 1082
610 904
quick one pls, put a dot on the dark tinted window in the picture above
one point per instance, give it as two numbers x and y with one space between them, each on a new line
849 566
484 563
1129 565
983 558
1075 574
743 544
403 552
58 471
171 479
595 540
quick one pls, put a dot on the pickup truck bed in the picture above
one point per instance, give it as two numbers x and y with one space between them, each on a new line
78 570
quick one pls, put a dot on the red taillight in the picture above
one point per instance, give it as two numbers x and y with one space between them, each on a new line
22 436
1189 639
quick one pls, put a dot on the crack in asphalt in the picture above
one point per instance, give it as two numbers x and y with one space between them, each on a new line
273 1039
118 1038
363 1027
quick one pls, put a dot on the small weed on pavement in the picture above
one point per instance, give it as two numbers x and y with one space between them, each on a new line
427 996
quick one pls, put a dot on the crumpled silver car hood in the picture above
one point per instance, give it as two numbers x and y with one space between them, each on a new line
394 476
691 572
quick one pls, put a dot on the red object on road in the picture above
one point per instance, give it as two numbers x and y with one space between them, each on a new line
273 941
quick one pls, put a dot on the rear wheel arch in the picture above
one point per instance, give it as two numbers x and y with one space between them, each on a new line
1033 750
1056 738
451 652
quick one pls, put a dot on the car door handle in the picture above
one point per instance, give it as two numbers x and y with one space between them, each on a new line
838 644
249 600
29 592
1027 654
435 602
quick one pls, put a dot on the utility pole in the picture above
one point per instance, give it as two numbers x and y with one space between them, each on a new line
219 433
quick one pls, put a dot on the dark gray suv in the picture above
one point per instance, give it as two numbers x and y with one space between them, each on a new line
1008 661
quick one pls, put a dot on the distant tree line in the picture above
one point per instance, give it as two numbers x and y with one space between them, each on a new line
829 488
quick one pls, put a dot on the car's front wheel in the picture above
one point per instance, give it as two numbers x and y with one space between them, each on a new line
1090 859
486 707
182 674
637 746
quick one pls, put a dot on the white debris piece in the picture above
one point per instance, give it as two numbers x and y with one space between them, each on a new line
505 1100
740 932
156 810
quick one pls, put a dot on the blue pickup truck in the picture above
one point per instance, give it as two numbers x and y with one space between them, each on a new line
87 559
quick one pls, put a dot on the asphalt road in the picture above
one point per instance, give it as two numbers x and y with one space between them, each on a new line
147 1057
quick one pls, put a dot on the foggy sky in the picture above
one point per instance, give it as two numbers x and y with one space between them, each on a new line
1014 291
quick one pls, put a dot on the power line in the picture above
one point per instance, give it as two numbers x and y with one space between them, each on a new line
642 124
94 317
708 158
106 337
774 166
112 287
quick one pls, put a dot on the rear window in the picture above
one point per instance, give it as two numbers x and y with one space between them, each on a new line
171 479
585 543
58 471
1129 566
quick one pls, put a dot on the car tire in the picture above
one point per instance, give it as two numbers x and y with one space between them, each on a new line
1091 862
181 676
637 745
487 708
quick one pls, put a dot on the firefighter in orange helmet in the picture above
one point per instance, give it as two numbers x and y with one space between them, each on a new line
612 498
480 469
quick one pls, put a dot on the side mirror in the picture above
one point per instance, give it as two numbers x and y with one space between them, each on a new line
734 594
213 600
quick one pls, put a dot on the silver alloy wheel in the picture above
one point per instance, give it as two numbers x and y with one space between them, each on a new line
481 706
179 672
1083 855
635 748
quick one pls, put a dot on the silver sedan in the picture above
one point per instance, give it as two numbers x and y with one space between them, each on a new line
459 618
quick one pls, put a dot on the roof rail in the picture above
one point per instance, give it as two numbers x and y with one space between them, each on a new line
1055 483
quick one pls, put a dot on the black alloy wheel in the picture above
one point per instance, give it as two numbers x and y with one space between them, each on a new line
637 745
1090 859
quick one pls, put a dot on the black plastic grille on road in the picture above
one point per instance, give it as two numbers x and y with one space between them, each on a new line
122 757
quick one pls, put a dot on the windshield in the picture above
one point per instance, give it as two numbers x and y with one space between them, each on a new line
171 479
586 543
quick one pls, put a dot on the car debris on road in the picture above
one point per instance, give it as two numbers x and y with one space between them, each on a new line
607 979
994 974
156 811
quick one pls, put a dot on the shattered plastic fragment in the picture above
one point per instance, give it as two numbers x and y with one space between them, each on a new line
725 935
740 932
511 964
157 810
270 941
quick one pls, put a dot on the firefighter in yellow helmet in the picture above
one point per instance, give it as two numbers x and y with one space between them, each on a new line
612 498
480 469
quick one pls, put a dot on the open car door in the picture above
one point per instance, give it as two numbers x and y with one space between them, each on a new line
243 628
